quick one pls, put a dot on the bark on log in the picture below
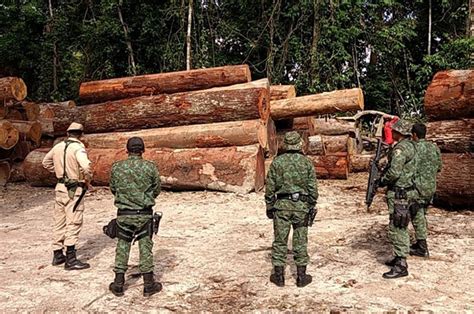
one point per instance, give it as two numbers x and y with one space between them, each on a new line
9 135
452 136
234 103
331 166
229 169
324 103
222 134
304 124
333 127
360 162
48 112
28 110
14 114
12 89
4 172
455 185
278 92
450 95
268 163
16 173
30 130
20 151
162 83
335 144
315 146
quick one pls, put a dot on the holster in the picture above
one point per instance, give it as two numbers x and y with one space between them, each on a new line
110 229
401 214
114 230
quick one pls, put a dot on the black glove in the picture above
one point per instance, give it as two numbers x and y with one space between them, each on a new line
270 213
401 215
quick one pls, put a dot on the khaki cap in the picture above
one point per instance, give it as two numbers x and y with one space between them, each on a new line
75 127
293 141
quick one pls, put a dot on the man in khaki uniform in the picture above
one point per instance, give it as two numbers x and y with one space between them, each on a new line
69 162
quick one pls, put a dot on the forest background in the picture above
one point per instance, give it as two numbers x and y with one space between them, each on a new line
390 48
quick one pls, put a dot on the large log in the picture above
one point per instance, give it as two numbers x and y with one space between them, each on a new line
335 144
9 135
31 130
452 136
450 95
4 172
228 169
455 186
162 83
14 114
3 111
315 145
12 89
16 173
20 151
324 103
48 112
304 124
28 110
331 166
333 127
359 162
233 103
278 92
222 134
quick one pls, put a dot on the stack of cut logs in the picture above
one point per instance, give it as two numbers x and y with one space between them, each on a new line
205 129
325 142
20 131
449 106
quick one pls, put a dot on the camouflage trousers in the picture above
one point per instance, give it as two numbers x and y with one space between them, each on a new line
282 223
145 245
419 222
399 237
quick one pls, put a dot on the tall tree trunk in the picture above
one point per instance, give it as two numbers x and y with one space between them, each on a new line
131 58
188 35
429 26
55 51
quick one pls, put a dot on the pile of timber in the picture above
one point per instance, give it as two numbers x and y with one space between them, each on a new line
20 130
449 106
325 142
205 128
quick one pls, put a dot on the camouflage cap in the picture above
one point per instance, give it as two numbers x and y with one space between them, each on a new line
293 141
403 127
135 145
75 127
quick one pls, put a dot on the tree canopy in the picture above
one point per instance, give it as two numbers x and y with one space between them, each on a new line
318 45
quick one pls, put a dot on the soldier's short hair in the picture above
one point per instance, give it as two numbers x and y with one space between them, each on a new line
135 145
419 129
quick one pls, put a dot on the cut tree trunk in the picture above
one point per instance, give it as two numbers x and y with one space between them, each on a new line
315 146
278 92
450 95
12 89
331 166
47 113
234 103
228 169
333 127
452 136
30 130
5 170
20 151
9 135
304 124
162 83
29 110
16 173
455 185
335 144
14 114
222 134
360 162
324 103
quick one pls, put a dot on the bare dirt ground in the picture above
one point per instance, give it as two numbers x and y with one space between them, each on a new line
213 254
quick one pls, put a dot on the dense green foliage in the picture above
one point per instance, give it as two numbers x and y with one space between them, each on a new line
319 45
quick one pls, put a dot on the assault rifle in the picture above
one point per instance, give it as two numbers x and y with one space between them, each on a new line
374 175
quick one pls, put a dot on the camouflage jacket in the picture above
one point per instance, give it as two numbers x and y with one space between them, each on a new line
290 173
135 183
428 165
402 163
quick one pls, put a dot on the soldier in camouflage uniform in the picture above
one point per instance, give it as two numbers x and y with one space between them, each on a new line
429 164
135 184
291 192
401 194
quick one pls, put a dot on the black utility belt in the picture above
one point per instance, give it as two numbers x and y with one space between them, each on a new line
295 197
402 192
79 184
134 212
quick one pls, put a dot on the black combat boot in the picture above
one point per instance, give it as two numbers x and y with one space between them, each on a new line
420 248
116 287
58 257
72 263
400 269
392 262
150 285
278 276
302 279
